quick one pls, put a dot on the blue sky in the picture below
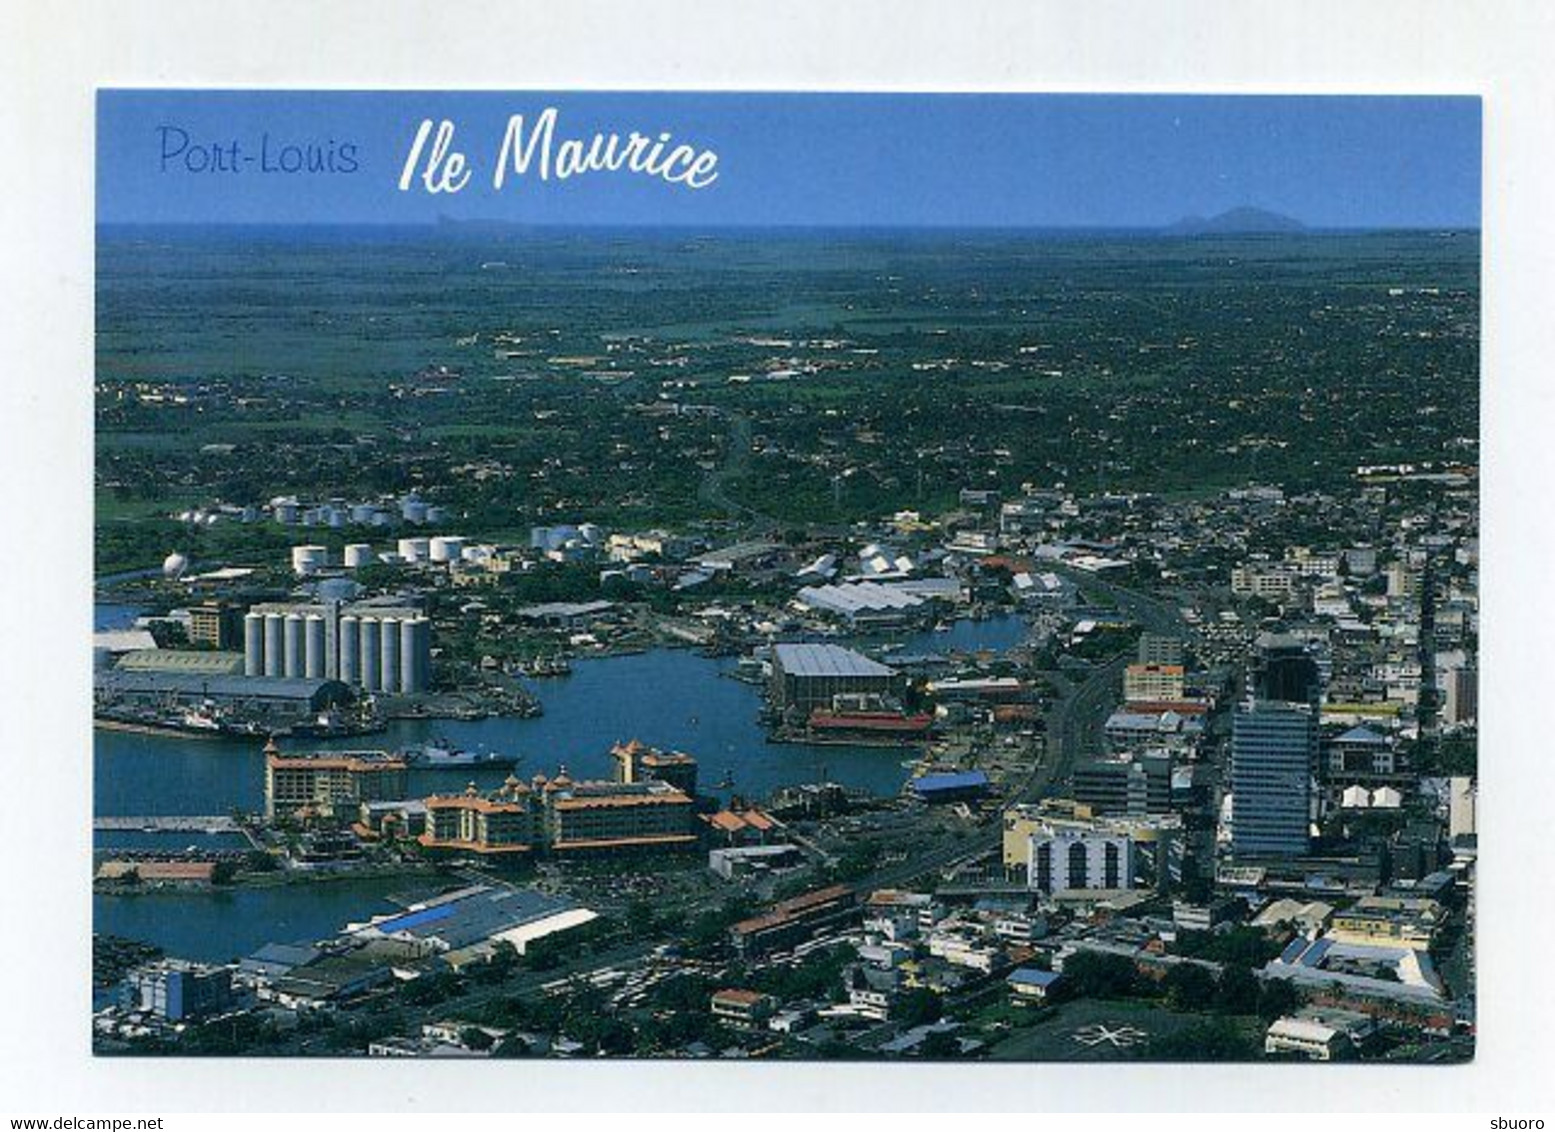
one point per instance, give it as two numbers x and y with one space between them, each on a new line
904 160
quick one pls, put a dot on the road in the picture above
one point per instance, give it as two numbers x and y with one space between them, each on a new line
736 462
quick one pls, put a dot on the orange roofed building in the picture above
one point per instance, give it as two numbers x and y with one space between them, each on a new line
326 783
561 816
790 921
637 762
742 827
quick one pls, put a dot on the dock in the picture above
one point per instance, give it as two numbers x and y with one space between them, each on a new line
217 823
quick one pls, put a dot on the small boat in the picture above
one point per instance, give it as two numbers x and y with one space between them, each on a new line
202 718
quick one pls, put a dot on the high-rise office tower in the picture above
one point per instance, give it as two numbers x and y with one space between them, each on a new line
1273 756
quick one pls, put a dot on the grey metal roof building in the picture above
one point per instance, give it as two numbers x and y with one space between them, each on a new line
188 662
826 660
468 916
807 676
861 601
298 694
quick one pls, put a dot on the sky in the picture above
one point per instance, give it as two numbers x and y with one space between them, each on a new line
854 160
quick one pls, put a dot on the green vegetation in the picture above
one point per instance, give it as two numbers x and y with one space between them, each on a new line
1187 987
992 361
1216 1039
917 1007
1249 946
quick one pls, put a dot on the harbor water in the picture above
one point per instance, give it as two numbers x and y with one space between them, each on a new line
671 698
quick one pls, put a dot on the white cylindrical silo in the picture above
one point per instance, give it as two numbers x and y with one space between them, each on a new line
350 650
275 644
414 637
358 554
389 659
424 651
414 549
313 647
254 644
371 658
446 548
294 644
408 657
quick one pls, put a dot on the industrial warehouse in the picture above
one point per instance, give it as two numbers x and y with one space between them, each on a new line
268 703
468 922
810 676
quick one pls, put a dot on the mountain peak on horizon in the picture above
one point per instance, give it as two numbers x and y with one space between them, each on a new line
1243 220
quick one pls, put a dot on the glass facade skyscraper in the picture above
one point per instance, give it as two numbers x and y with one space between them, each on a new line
1273 756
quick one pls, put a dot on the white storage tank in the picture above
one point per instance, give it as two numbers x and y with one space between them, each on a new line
371 658
313 666
254 644
294 644
275 644
350 650
446 548
389 655
415 655
358 554
309 559
414 549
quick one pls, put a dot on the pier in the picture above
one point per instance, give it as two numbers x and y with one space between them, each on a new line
178 824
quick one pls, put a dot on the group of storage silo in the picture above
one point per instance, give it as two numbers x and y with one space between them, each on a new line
385 654
380 653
